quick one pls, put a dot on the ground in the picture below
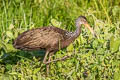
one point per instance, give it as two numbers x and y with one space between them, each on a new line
94 59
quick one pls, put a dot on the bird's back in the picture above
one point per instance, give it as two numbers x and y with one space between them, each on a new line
40 38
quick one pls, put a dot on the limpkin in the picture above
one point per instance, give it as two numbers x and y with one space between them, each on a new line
49 38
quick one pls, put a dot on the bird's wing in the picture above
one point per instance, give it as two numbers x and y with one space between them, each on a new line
39 38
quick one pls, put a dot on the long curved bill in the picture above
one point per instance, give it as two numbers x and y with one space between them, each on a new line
91 30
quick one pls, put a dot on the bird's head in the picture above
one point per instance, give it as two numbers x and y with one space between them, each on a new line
83 20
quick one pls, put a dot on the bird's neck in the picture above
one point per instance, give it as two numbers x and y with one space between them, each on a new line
77 32
72 36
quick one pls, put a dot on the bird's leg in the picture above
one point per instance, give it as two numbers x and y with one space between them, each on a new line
61 59
46 54
47 65
44 61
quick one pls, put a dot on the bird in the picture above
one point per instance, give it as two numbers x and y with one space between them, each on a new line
50 39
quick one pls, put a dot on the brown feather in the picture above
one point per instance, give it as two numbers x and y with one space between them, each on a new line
40 38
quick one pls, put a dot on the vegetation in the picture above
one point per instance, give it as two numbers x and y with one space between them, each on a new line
94 59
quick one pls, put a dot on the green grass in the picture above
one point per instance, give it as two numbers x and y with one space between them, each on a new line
94 59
